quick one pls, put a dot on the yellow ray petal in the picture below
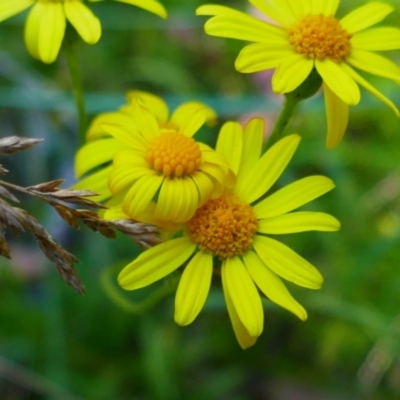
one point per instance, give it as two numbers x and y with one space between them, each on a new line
361 81
156 263
190 116
259 57
141 193
130 158
337 116
95 129
114 213
374 64
284 16
154 103
365 16
301 221
130 137
170 199
120 178
284 262
193 288
32 29
83 20
271 285
300 8
253 136
244 295
230 144
241 333
293 196
51 33
238 25
326 7
152 6
205 186
8 8
96 153
338 81
290 73
97 182
377 39
268 169
144 120
190 200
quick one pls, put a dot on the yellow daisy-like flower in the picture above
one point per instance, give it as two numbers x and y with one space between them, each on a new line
234 228
304 35
158 172
46 23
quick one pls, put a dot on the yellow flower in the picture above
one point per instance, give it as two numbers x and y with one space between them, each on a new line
158 172
303 35
234 228
46 23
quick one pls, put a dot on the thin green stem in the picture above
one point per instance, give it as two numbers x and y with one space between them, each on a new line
75 71
289 108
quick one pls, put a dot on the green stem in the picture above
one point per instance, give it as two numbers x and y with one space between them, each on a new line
107 281
289 107
75 71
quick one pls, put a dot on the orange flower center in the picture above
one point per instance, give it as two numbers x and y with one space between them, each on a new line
320 37
224 227
174 155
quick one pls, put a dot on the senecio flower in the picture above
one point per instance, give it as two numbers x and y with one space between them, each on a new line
305 34
47 20
233 228
158 171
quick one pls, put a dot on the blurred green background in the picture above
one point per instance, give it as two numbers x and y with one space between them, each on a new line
55 344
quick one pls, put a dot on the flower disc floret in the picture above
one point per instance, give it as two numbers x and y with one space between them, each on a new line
174 155
223 227
320 37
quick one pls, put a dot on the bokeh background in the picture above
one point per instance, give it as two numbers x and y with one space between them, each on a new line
55 344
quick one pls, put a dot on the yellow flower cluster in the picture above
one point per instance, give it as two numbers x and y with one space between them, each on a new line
147 166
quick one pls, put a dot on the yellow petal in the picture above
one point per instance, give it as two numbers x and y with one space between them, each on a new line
8 8
365 16
241 333
237 25
156 263
144 120
338 81
154 103
230 144
259 57
121 177
326 7
271 285
300 8
377 39
293 196
189 117
253 136
97 182
170 199
129 136
193 288
337 116
284 262
141 193
152 6
302 221
374 64
51 33
114 213
83 20
95 129
205 186
285 17
244 295
96 153
290 73
361 81
32 29
268 169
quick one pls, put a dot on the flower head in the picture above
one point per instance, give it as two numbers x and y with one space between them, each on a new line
47 20
305 34
234 228
159 173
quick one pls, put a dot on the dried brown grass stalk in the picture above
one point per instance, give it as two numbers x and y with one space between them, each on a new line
19 219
